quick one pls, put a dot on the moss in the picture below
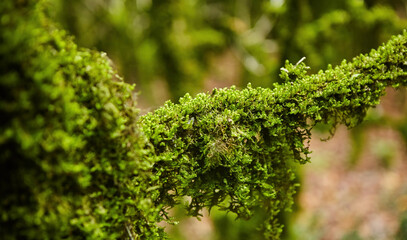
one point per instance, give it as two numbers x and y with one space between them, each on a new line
77 163
237 148
71 156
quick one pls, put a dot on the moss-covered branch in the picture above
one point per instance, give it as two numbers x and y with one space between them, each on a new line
77 163
235 148
72 163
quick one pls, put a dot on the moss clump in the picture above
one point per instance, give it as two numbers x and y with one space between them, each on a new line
76 162
236 148
71 157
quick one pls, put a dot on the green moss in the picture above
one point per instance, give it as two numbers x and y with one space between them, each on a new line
71 156
240 145
76 162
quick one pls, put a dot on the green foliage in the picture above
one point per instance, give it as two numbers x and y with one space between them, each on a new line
167 39
402 232
76 162
176 42
329 31
71 156
236 148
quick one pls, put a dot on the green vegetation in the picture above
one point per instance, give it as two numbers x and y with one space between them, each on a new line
77 162
240 145
71 155
176 42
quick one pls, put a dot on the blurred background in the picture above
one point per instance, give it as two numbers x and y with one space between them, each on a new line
356 185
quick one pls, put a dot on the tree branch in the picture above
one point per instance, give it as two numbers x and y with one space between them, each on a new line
236 148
